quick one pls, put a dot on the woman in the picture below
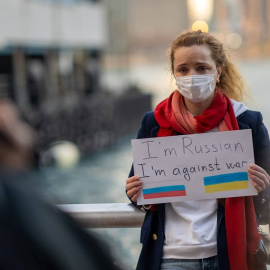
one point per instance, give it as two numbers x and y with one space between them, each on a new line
205 234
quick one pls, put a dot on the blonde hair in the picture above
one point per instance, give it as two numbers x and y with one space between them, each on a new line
230 80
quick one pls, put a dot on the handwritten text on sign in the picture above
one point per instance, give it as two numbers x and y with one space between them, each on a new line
194 167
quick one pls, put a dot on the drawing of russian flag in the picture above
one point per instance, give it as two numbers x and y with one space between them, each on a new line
167 191
225 182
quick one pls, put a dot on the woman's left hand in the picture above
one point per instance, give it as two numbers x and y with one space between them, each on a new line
260 178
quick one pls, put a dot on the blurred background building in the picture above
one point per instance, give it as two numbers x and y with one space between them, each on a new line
50 48
50 65
143 30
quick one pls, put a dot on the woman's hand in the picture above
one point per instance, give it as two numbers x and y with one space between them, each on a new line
260 178
133 187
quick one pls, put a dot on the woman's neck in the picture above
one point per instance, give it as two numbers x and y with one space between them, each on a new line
197 108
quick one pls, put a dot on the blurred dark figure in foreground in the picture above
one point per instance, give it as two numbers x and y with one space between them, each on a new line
34 234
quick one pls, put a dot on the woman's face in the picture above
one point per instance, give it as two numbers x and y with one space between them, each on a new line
194 60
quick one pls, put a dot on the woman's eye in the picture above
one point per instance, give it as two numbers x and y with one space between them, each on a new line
202 68
182 70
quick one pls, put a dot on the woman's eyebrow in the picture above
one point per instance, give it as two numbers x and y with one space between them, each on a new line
202 63
197 63
182 64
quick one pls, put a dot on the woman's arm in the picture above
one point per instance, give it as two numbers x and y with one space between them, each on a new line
259 173
133 183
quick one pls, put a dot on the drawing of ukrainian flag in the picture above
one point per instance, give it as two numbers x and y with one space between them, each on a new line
225 182
167 191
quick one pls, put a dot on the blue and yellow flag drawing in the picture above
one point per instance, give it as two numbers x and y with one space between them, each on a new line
225 182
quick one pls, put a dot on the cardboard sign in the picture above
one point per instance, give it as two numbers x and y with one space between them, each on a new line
194 167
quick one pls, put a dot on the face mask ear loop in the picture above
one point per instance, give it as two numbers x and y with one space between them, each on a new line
215 72
217 81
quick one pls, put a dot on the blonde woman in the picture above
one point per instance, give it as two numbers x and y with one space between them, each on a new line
206 234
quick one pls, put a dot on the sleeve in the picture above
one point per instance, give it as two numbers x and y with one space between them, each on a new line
262 158
140 135
262 145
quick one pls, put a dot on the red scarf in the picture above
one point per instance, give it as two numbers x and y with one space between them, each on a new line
240 219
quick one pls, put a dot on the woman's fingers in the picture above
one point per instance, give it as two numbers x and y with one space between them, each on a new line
259 177
133 187
134 192
135 196
132 179
257 186
258 181
132 182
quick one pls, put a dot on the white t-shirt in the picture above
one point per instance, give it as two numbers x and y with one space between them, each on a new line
190 229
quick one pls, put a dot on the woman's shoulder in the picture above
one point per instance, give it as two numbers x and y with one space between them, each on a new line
149 120
250 117
149 126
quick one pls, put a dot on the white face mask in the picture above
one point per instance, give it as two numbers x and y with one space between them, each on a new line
196 88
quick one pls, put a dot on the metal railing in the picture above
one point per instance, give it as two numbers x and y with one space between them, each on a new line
108 215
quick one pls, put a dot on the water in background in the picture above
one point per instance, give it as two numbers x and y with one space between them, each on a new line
100 178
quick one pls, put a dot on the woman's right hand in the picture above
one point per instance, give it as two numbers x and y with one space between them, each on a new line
133 187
